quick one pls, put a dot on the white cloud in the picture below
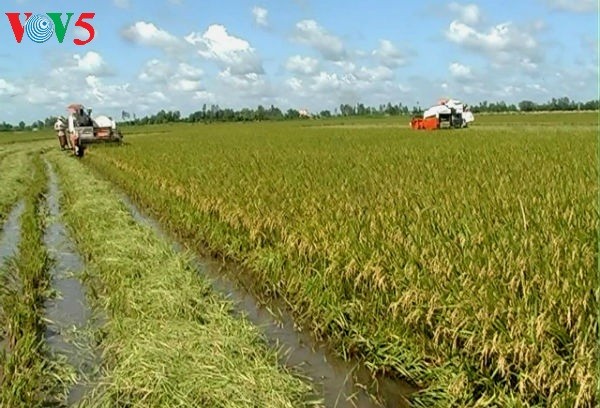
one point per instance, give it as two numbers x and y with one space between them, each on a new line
204 96
537 87
389 55
35 95
150 35
185 85
377 74
528 65
157 96
122 3
577 6
469 13
246 85
182 77
231 53
459 71
503 43
155 70
295 84
188 71
261 16
91 63
302 65
310 33
6 88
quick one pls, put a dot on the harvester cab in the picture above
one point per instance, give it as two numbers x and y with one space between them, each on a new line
447 114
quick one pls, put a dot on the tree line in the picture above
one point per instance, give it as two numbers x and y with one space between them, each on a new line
215 113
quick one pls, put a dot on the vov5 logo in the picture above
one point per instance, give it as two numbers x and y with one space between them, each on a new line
41 27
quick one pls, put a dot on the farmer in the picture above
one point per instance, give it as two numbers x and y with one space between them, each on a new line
61 131
72 132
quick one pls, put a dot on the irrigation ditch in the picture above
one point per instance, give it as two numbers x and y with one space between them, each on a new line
341 384
10 236
69 317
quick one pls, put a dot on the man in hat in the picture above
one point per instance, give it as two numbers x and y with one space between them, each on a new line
61 131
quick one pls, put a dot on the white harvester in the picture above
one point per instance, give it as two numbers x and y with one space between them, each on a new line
88 129
448 113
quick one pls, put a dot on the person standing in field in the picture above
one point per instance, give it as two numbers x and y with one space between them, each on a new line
73 136
61 131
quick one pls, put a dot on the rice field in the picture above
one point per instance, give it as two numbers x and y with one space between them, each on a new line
161 336
463 261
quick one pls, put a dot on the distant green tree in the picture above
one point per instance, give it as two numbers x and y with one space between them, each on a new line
527 106
292 114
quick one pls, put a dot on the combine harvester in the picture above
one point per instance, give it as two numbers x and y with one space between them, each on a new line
92 129
447 114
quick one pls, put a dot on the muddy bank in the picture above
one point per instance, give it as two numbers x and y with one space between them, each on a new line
341 384
67 313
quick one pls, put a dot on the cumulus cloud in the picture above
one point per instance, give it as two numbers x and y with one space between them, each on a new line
90 63
310 33
389 55
459 71
229 52
206 97
8 89
182 77
261 16
577 6
155 70
157 96
302 65
376 74
188 71
503 43
468 13
185 85
148 34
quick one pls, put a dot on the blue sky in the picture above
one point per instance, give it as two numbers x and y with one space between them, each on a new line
180 54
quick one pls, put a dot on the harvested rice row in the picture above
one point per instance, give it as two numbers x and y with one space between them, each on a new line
29 376
14 171
168 340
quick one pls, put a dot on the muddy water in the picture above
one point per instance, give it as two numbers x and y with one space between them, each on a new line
11 233
10 236
340 384
67 313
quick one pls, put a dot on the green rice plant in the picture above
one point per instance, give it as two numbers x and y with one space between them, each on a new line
168 340
459 260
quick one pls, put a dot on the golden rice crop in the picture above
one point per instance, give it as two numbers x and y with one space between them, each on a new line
464 261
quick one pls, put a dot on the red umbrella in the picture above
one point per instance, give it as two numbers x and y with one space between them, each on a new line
75 107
